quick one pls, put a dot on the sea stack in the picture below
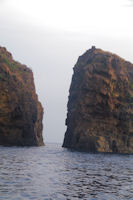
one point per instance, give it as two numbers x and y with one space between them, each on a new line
20 111
100 105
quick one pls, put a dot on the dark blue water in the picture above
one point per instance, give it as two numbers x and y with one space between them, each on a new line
51 172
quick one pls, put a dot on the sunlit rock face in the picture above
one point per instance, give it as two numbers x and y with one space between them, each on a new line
100 106
20 111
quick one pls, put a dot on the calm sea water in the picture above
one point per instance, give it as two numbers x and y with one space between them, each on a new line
52 172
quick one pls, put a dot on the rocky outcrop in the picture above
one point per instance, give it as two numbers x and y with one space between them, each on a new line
100 106
20 111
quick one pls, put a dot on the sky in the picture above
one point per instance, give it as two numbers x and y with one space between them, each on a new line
49 36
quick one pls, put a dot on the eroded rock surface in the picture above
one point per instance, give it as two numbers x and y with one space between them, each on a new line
20 111
100 106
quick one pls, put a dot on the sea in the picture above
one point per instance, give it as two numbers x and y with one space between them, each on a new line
52 172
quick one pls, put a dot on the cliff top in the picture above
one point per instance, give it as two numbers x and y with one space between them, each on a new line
97 52
14 66
96 56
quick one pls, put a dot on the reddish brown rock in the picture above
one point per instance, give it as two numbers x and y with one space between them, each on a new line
20 111
100 106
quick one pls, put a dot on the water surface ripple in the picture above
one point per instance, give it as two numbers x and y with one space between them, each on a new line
51 172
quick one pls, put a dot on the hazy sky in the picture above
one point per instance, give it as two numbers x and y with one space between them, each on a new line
49 35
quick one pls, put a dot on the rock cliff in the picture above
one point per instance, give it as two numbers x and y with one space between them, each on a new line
100 106
20 111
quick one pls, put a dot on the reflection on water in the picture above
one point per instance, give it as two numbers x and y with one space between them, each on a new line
51 172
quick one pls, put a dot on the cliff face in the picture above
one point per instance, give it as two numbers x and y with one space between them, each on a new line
20 111
100 106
